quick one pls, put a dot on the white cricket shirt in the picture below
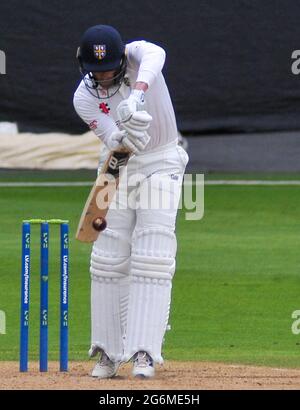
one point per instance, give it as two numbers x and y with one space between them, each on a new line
144 63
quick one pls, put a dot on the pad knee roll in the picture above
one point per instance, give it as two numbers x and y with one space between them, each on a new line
110 256
110 264
153 254
152 269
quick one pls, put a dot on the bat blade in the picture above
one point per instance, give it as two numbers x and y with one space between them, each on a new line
92 220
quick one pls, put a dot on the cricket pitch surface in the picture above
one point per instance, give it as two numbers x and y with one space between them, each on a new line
171 376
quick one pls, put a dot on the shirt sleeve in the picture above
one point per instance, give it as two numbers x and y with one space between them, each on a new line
101 124
148 58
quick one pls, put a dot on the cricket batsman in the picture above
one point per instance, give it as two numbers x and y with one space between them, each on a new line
124 99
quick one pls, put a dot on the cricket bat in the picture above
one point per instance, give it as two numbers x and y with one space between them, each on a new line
92 220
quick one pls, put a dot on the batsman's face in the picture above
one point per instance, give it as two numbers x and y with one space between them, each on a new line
105 79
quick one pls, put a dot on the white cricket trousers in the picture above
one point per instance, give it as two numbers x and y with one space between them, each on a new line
133 260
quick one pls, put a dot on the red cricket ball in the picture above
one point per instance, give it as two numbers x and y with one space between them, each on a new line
99 224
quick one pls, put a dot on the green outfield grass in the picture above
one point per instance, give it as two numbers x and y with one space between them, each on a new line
236 285
89 175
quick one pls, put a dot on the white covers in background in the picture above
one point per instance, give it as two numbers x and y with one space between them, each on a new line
47 151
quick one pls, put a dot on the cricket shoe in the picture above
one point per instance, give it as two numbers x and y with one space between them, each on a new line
143 366
105 368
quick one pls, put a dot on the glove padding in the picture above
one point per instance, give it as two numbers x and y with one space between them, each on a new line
115 139
137 137
133 103
134 144
139 121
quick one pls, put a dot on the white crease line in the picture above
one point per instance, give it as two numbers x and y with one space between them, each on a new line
43 184
251 182
188 183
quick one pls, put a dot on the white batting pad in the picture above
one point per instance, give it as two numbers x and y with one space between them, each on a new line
110 264
152 269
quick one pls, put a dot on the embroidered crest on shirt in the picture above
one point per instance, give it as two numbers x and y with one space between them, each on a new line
104 108
93 125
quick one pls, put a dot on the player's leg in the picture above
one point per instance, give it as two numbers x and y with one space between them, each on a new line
110 267
152 269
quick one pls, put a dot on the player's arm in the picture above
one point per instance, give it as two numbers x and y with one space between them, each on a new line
132 137
101 124
148 59
141 86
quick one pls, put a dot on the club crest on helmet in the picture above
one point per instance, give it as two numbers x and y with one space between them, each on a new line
100 51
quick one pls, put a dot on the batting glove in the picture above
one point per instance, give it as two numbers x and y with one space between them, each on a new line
136 144
134 102
115 139
139 121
